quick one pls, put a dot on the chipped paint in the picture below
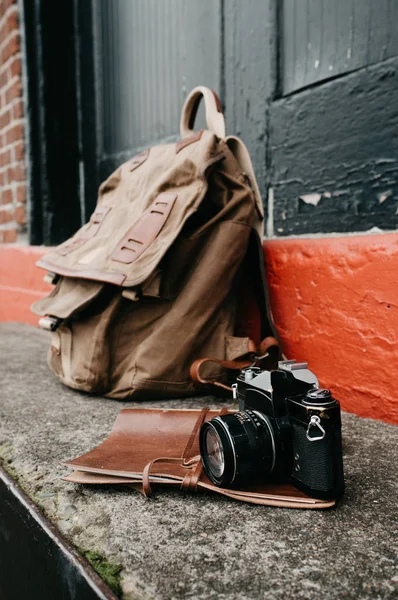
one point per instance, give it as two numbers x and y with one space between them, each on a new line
311 199
383 197
338 193
341 139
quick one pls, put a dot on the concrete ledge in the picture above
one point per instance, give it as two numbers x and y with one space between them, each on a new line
179 546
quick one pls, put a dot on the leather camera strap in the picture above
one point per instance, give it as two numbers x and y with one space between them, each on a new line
265 352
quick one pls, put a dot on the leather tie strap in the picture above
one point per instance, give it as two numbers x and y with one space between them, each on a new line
201 417
190 481
268 348
146 486
186 461
192 463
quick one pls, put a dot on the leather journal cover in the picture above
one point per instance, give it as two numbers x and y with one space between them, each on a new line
148 448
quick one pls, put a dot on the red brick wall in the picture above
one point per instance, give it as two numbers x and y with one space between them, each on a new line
12 166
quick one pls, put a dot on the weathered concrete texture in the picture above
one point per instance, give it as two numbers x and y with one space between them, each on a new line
334 301
180 546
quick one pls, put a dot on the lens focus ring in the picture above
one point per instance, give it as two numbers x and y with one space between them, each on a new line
244 440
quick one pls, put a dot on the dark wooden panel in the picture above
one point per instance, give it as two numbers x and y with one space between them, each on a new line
55 211
336 147
86 107
150 56
322 39
249 33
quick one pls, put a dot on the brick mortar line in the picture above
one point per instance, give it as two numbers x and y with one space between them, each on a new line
9 9
13 8
10 59
12 102
10 106
9 226
12 165
13 33
11 124
13 187
10 147
9 84
6 207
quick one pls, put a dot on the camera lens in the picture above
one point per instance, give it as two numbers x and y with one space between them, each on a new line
237 447
214 452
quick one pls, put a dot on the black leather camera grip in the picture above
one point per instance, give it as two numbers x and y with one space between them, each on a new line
318 465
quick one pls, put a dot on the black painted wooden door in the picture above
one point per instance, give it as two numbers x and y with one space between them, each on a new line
309 85
333 122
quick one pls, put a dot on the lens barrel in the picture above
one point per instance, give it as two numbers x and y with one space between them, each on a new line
237 447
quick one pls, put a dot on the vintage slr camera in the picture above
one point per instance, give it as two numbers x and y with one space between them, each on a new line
287 429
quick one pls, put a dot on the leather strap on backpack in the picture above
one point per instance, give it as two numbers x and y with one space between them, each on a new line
266 356
216 123
214 115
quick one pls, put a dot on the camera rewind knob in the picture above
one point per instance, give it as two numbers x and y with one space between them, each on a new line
319 396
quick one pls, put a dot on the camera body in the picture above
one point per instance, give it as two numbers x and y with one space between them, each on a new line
287 429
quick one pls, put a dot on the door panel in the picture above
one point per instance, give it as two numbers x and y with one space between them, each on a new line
335 154
249 73
309 85
151 53
323 39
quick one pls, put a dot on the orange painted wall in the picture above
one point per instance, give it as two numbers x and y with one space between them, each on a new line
335 303
334 300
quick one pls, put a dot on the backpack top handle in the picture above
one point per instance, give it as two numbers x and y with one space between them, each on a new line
214 115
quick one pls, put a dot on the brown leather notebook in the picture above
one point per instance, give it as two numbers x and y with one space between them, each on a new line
152 447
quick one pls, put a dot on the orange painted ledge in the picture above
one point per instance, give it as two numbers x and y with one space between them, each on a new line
21 282
334 300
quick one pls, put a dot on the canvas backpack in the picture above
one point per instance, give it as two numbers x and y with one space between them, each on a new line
152 282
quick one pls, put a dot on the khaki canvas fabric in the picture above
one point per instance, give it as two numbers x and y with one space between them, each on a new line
149 284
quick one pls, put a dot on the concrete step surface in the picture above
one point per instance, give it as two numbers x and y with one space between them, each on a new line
195 546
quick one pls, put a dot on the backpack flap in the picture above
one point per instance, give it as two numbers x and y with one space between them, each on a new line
141 210
68 298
